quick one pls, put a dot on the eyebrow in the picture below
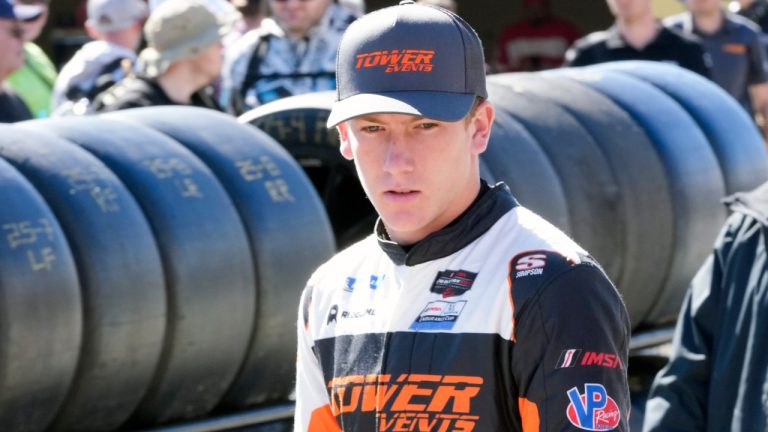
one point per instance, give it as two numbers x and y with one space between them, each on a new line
373 118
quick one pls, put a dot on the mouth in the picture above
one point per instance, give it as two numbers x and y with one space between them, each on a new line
401 194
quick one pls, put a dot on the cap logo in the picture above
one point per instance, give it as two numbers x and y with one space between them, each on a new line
407 60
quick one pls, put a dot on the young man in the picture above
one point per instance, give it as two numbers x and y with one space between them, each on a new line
183 56
115 27
292 52
638 35
716 376
738 56
464 311
12 107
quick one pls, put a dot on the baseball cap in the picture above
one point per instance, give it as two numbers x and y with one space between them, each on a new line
18 11
176 30
112 15
408 59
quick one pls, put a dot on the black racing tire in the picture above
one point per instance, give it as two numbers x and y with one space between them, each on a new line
735 139
41 311
645 203
121 277
206 262
514 157
590 187
276 201
298 123
696 183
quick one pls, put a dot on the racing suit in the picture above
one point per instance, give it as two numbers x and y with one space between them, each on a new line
717 375
497 322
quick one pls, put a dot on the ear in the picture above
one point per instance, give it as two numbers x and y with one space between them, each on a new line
346 146
481 127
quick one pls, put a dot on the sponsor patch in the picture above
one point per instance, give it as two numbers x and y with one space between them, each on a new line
398 60
358 314
735 48
349 284
530 265
332 314
568 358
576 357
410 402
439 315
594 410
453 283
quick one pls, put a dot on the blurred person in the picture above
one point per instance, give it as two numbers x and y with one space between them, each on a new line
12 107
638 35
717 375
445 4
357 7
292 52
252 12
35 79
754 10
537 42
183 55
115 27
738 56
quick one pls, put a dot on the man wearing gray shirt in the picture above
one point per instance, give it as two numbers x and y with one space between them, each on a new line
738 59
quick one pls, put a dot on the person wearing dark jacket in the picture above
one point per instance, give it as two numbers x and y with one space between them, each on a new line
717 375
638 35
183 57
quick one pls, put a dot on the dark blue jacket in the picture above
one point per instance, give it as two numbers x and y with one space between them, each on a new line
717 376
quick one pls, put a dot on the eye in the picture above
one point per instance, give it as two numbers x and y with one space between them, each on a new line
371 128
427 125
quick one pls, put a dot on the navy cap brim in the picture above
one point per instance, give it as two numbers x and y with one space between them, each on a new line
441 106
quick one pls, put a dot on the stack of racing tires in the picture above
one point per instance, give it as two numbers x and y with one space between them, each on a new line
151 260
151 264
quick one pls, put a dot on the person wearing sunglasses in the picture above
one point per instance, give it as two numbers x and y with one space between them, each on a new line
35 79
12 108
292 52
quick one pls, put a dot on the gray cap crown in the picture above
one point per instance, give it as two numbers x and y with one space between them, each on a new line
409 59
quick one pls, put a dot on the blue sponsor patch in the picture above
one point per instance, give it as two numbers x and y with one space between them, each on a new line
349 284
438 315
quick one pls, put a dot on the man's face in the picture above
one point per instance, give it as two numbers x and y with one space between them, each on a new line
419 174
11 47
210 60
703 6
630 9
298 16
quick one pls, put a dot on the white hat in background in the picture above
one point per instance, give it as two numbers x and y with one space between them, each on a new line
112 15
177 30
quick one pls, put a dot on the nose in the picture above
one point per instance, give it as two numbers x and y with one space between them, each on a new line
399 158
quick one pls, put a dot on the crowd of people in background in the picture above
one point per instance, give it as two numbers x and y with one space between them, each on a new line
261 51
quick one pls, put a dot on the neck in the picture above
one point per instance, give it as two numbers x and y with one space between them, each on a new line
709 21
180 82
638 31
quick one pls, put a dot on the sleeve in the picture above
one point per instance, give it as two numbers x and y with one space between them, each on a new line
679 394
699 60
570 353
313 410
